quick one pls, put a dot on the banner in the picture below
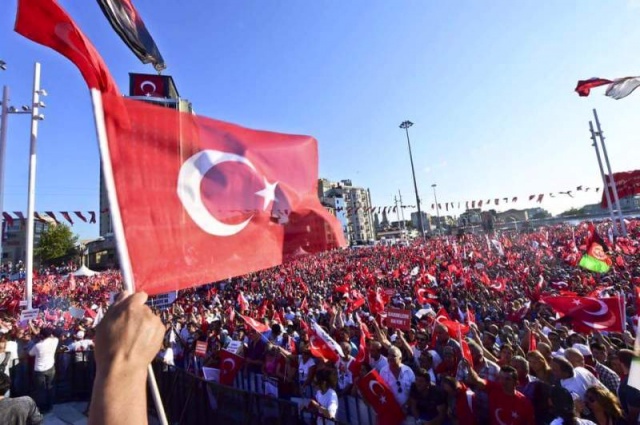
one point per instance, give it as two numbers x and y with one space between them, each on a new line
627 183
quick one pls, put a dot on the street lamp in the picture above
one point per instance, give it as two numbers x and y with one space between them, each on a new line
405 126
435 198
36 116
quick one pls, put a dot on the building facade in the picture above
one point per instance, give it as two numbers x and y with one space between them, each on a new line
354 210
14 239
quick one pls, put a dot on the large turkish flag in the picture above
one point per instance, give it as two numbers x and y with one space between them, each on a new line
380 397
204 200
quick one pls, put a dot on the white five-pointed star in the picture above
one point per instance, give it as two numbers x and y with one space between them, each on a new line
577 302
383 399
268 193
514 415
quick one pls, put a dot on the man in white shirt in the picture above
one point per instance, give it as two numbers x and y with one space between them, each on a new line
81 348
44 352
398 376
376 360
576 380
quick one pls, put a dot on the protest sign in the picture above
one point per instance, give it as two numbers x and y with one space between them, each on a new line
399 319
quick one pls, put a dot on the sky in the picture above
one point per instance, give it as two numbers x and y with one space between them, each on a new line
488 85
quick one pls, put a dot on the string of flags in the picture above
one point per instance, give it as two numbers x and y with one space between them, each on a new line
480 203
617 89
84 216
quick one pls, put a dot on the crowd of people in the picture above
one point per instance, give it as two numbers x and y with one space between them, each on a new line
481 347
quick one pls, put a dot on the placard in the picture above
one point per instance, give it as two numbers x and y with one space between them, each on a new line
399 319
26 315
201 348
211 374
76 313
234 347
162 301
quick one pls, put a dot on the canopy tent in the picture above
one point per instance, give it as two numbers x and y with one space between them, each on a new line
84 271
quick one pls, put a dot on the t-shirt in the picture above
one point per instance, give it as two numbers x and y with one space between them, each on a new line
427 403
581 380
45 354
506 409
19 411
79 348
329 401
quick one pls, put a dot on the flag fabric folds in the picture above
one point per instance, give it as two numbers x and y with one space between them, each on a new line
380 397
627 184
588 314
622 87
210 200
322 345
584 86
126 21
46 23
230 365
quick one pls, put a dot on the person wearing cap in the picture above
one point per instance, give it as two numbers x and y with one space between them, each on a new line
81 347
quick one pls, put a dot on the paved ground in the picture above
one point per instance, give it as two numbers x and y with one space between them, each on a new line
67 414
73 414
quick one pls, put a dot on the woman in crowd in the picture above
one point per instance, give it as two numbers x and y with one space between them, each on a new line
325 401
539 367
563 408
604 406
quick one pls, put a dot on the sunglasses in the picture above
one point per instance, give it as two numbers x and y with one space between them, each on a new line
399 387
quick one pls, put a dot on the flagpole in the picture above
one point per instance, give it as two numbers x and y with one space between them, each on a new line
31 197
4 121
118 229
606 190
612 181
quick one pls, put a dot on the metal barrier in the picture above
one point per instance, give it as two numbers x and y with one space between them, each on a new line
189 399
75 372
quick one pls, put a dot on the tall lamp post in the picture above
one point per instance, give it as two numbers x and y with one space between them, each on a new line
405 125
435 199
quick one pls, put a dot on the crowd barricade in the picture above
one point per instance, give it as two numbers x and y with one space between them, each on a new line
75 372
189 399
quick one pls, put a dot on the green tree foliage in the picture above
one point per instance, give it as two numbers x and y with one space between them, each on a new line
57 241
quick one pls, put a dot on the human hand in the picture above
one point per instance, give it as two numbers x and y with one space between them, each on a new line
128 337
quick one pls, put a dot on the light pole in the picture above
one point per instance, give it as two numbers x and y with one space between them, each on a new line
515 223
405 125
5 110
435 198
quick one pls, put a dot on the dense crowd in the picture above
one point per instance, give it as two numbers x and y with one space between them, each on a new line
482 346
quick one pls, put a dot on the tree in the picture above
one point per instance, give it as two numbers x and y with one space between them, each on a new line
572 212
55 242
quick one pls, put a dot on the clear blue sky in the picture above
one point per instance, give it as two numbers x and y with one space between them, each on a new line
488 84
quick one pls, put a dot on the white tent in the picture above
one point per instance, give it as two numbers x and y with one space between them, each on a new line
84 271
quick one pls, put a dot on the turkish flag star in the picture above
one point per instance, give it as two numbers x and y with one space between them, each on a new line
268 193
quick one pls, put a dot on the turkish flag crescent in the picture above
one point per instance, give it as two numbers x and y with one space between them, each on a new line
379 396
46 23
230 364
203 200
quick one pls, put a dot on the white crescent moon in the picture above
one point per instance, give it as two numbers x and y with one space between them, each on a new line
603 309
313 338
233 364
189 181
372 384
148 83
497 415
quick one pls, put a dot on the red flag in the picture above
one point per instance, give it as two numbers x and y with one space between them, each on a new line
376 303
343 289
67 217
380 397
464 347
586 314
425 296
46 23
584 86
362 352
322 345
254 324
471 316
354 304
230 364
229 200
242 301
304 305
533 345
80 216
